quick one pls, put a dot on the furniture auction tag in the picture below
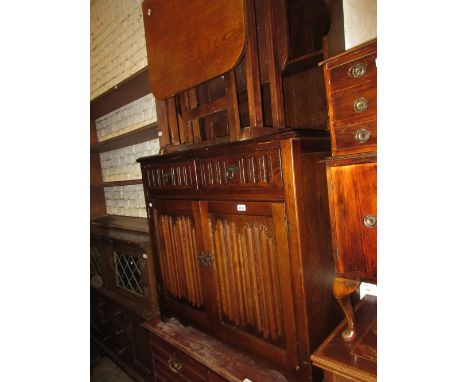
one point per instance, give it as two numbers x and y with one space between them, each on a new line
241 207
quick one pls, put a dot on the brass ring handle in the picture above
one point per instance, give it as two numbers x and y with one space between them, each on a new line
370 221
201 259
362 135
204 260
175 365
360 105
358 70
231 171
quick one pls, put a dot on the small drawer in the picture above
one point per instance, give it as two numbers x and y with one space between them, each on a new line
357 104
353 73
168 177
168 360
355 138
259 170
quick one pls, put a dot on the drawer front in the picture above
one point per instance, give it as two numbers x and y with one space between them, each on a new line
353 73
357 104
170 176
170 361
260 170
355 138
353 211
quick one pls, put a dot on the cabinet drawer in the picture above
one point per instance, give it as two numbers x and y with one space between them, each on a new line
259 170
353 73
356 104
168 177
168 360
355 138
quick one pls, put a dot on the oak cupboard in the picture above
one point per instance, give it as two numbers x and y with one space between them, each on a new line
242 244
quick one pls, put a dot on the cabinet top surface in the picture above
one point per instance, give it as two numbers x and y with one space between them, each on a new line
356 359
232 147
370 46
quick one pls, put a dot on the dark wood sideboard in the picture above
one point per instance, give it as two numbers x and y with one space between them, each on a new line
241 237
351 83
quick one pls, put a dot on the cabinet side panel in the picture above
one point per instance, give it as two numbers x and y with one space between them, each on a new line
323 312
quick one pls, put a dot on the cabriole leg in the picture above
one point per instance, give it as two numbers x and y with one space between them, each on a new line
342 289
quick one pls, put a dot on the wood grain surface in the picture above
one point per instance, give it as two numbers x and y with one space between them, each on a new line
191 42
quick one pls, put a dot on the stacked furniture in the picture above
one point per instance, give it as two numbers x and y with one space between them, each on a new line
123 291
351 82
237 203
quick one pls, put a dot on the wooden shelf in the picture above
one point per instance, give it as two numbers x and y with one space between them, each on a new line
143 134
122 222
122 183
129 90
118 183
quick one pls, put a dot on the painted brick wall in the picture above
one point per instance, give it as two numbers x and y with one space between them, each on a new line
125 200
130 117
117 42
121 164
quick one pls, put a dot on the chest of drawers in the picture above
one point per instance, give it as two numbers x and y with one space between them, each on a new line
351 83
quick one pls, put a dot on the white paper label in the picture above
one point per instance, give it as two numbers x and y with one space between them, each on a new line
241 207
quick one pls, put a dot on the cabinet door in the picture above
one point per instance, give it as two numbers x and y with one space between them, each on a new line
178 241
249 246
353 202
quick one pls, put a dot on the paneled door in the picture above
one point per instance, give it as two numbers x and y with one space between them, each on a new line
353 197
247 244
179 245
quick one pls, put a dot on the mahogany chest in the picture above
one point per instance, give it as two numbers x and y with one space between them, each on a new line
351 83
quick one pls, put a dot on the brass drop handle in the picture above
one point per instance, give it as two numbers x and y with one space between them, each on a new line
231 171
370 221
358 70
360 105
165 178
175 365
362 135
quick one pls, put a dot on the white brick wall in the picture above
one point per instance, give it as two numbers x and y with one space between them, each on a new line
118 47
129 117
121 164
125 200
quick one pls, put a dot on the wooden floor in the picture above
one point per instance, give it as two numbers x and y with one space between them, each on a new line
104 370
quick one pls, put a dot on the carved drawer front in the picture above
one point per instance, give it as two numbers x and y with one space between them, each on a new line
353 196
356 104
355 138
259 170
170 176
171 364
353 73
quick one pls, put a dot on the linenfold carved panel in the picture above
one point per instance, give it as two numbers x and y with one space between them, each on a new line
260 169
248 275
179 175
179 269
